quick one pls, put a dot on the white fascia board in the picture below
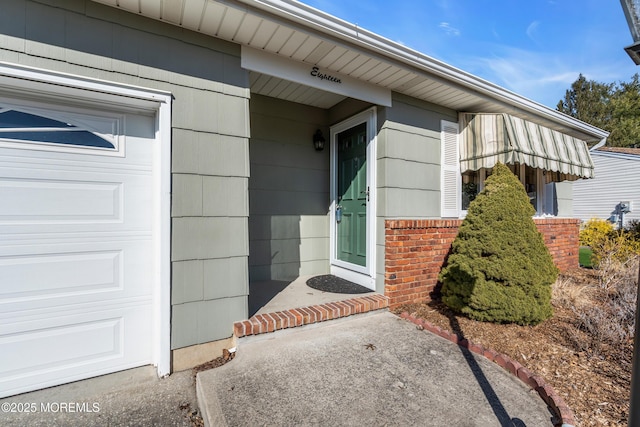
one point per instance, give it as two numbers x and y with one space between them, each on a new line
335 27
308 75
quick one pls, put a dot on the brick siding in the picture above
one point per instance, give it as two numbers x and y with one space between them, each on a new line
416 250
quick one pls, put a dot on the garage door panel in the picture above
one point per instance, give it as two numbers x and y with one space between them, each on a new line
79 202
71 275
42 200
49 348
66 348
50 274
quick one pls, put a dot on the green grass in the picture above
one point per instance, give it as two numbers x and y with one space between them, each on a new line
584 256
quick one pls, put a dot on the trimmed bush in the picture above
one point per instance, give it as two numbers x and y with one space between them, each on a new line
500 269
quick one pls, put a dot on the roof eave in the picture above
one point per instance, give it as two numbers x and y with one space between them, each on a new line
333 26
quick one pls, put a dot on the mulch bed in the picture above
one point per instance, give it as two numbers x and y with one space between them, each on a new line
595 385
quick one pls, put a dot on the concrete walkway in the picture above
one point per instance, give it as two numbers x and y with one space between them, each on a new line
275 296
366 370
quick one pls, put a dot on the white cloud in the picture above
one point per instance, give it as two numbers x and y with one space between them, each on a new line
448 29
542 77
531 29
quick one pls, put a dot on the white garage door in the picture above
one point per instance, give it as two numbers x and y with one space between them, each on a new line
76 245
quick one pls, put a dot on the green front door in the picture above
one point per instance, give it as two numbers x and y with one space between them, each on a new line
353 195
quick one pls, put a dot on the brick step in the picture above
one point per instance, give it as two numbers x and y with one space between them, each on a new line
270 322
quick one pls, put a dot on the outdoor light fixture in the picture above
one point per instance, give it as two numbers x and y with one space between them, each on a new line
318 140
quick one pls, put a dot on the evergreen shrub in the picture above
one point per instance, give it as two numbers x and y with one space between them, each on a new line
499 269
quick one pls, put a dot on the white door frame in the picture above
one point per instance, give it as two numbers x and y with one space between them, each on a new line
365 276
34 83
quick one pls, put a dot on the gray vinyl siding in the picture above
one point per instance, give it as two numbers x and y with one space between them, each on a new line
409 159
616 178
408 162
288 191
210 131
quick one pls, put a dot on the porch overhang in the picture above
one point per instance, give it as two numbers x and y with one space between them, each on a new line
491 138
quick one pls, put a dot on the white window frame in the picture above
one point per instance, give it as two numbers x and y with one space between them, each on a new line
482 176
541 189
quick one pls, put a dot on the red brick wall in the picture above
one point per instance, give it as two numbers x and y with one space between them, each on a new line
415 251
562 238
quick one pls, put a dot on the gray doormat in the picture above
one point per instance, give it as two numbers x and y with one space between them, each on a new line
336 285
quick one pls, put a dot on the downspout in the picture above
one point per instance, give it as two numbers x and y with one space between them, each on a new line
602 143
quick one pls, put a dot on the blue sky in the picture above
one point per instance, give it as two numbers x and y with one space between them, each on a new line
535 48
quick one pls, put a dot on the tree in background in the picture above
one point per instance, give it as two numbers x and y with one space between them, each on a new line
589 101
500 269
625 118
614 108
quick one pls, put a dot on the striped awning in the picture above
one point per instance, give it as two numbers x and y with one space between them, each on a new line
491 138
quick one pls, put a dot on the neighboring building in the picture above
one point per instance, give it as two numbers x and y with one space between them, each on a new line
631 10
156 157
617 170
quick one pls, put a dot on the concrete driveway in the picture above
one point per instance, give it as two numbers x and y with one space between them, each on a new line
372 369
365 370
136 397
